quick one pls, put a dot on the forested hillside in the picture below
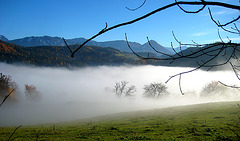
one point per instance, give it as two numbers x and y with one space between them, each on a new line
60 56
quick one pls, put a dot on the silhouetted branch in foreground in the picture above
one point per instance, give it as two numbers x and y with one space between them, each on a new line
234 29
133 9
228 85
176 3
211 51
5 98
14 132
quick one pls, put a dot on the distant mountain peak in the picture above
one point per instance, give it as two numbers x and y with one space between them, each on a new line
153 41
3 38
38 41
147 48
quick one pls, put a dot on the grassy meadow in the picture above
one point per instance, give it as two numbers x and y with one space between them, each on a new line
211 121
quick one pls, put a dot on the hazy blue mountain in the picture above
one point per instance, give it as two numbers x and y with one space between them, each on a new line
147 48
3 38
118 44
38 41
80 41
122 45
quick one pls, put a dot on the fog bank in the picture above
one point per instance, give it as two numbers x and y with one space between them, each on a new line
71 94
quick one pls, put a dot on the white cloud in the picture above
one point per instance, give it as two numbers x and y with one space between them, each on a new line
199 34
221 12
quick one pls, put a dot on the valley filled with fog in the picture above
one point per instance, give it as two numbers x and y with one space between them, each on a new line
72 94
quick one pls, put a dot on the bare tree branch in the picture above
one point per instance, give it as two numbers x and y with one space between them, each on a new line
228 85
223 25
139 56
197 11
218 23
203 3
192 70
14 132
5 98
179 81
157 50
211 51
137 7
67 45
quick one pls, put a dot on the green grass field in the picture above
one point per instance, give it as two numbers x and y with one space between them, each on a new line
212 121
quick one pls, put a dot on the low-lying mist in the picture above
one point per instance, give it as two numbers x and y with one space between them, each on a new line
71 94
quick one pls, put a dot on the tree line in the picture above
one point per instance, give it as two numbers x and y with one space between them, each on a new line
213 90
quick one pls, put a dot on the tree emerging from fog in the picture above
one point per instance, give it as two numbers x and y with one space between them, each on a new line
7 85
31 92
121 89
215 90
155 90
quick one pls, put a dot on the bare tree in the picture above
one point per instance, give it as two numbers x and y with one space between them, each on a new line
155 90
121 89
216 90
130 90
212 51
213 90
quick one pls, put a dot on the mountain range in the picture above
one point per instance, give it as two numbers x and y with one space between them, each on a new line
59 56
57 41
95 55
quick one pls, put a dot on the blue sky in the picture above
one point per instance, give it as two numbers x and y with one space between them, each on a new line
84 18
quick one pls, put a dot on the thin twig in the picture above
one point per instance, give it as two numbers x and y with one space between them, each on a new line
14 132
197 11
156 11
5 98
139 56
180 87
223 25
200 66
137 7
67 45
235 87
157 50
